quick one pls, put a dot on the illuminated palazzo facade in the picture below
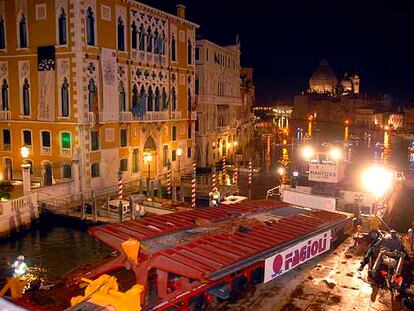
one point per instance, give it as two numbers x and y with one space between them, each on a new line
219 101
91 86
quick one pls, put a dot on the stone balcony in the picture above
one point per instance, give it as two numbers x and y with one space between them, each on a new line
176 115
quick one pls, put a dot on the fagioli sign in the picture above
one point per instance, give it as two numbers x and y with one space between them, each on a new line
296 255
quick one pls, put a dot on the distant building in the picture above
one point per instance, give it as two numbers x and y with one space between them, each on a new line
332 101
225 93
91 87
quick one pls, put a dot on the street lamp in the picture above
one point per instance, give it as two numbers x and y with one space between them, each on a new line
179 154
24 151
148 159
335 154
377 180
308 152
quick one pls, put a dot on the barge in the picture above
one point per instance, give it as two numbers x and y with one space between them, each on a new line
186 260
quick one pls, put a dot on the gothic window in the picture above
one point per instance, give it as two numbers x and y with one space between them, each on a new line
2 34
174 99
62 28
134 33
150 99
92 95
90 26
23 31
142 37
149 39
5 95
173 49
26 98
157 99
189 52
157 42
135 98
142 97
189 99
164 99
121 36
163 43
64 92
122 97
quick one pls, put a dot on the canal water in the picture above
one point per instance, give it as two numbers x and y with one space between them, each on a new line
55 246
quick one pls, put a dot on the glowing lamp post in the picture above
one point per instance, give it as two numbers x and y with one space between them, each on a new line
335 154
24 152
148 159
307 153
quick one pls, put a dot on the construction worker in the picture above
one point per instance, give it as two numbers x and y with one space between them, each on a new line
19 267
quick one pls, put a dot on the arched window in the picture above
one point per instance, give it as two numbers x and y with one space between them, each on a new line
62 28
189 99
122 97
2 34
64 93
92 95
142 100
190 52
134 34
135 97
173 49
5 95
164 99
121 36
90 27
26 98
163 43
149 39
174 99
23 31
150 99
157 42
157 99
142 36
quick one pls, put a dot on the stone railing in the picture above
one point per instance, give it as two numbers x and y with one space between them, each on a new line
176 115
5 115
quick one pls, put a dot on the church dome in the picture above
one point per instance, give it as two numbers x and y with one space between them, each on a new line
323 80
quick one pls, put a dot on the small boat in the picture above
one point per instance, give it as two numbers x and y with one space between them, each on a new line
232 199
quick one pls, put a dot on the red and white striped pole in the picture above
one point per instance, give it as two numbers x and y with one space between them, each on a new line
236 178
169 178
250 178
193 186
120 185
223 160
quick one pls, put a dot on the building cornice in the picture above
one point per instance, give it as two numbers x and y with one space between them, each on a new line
163 14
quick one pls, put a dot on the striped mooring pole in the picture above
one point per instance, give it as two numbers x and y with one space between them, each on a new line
169 178
223 160
250 178
193 186
236 178
213 179
120 185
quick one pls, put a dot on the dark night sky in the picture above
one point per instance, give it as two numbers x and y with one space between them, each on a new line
284 40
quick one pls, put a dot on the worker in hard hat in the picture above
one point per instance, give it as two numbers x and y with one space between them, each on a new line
19 267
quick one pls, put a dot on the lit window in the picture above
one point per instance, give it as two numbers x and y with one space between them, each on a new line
135 166
65 140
